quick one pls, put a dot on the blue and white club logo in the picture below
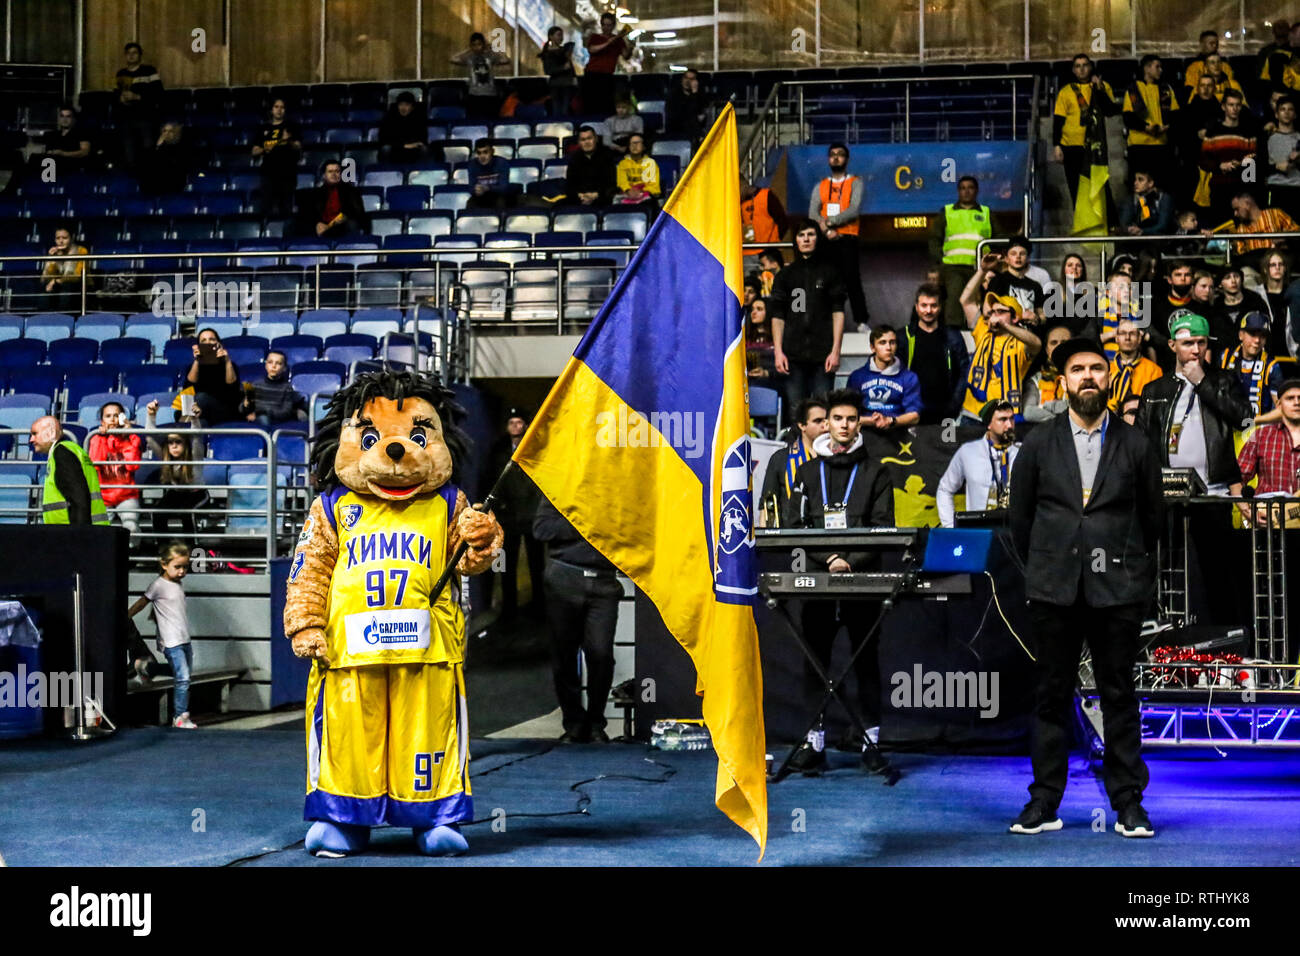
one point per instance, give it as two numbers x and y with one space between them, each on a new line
298 560
878 394
371 633
735 571
351 515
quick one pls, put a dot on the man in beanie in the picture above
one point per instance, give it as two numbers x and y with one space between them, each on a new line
1086 517
981 469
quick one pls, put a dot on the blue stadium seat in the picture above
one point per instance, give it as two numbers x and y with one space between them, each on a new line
381 226
570 219
360 339
434 223
378 286
147 379
376 323
524 171
324 322
258 245
406 242
477 222
100 326
347 354
48 326
21 353
312 377
555 239
243 227
633 221
530 221
84 381
384 178
155 329
21 409
178 206
298 348
446 114
270 324
210 246
19 486
37 379
362 258
11 327
278 288
433 177
498 241
452 198
72 353
89 405
541 148
248 352
458 242
229 204
239 447
179 353
345 135
407 198
299 246
166 413
125 353
208 183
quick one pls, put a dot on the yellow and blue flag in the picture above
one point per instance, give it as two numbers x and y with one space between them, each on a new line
643 445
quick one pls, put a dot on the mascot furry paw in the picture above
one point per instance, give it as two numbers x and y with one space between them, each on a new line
387 741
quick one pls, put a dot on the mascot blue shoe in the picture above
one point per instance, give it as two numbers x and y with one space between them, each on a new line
336 839
441 841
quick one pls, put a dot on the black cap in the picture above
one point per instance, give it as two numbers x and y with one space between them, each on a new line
518 413
1071 347
1287 385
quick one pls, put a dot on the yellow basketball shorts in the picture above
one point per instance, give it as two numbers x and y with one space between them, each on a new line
388 744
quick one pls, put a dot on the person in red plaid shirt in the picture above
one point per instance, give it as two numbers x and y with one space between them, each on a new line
1273 452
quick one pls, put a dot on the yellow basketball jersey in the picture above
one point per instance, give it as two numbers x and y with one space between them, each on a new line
390 555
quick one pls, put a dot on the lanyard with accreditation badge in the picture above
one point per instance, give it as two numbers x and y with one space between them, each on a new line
835 517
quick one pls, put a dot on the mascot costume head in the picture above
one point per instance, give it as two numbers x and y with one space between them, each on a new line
387 735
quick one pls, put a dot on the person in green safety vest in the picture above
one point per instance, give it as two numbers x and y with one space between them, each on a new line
71 494
955 237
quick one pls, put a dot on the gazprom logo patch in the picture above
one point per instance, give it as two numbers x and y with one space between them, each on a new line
375 631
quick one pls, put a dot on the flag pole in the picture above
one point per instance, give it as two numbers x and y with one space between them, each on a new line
485 506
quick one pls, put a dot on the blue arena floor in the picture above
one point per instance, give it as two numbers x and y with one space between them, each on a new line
157 797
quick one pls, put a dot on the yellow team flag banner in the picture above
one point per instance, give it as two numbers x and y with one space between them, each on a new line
643 445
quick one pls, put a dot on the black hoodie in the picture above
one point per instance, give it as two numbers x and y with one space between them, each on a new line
870 503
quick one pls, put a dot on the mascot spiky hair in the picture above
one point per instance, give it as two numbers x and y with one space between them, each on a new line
386 721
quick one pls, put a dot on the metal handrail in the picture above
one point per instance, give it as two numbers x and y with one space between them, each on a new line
1228 238
758 134
1031 162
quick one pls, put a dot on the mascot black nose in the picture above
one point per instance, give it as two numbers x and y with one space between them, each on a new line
395 451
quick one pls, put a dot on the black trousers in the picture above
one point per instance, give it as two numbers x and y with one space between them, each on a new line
583 613
1113 634
846 254
821 622
803 379
1073 159
514 534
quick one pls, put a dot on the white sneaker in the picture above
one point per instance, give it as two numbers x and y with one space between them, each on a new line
184 722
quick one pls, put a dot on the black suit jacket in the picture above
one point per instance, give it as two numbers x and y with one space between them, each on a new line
1223 409
1108 547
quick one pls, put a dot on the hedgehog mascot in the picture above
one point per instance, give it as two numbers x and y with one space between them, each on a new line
387 741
